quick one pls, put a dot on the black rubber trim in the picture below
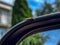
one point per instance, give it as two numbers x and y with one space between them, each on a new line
50 21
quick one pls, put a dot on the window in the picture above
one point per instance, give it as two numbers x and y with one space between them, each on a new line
0 15
2 32
4 17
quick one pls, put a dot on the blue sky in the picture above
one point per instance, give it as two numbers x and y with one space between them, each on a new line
35 4
54 37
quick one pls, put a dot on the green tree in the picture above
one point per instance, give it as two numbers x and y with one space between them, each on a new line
34 40
20 11
46 9
57 5
49 8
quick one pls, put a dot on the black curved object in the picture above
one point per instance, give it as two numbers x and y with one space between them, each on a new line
31 26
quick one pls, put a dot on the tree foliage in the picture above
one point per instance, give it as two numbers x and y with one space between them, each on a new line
49 8
57 5
34 40
20 11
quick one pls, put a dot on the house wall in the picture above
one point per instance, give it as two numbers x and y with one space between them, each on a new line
5 18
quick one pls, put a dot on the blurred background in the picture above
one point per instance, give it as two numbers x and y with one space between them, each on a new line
9 12
5 17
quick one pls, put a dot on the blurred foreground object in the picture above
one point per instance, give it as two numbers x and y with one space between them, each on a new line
59 43
24 29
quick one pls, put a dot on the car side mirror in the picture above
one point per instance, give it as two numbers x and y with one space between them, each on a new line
31 26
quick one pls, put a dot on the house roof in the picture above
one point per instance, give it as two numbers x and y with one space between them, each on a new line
5 5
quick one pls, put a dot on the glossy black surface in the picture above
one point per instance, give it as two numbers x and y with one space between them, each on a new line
31 26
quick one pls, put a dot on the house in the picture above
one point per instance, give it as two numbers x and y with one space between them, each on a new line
5 17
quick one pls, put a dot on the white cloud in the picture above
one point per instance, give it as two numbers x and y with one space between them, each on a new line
37 0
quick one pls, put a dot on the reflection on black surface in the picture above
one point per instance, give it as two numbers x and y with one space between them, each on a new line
54 37
44 38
